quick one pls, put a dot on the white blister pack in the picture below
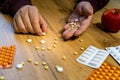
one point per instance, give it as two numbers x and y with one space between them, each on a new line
114 52
92 57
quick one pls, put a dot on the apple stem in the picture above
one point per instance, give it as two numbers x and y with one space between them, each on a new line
116 11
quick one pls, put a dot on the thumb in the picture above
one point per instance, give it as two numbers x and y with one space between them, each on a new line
87 10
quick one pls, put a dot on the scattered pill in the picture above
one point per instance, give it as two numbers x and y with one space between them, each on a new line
29 60
29 40
46 67
48 48
19 66
55 42
36 63
55 38
36 47
64 58
59 68
81 40
54 45
43 33
81 48
42 48
43 41
44 63
2 78
75 53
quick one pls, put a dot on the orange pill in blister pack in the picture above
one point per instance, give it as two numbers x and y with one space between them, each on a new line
105 72
7 56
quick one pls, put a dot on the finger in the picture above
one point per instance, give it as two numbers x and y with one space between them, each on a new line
66 26
87 10
34 19
43 24
80 30
26 20
69 33
15 27
19 24
78 9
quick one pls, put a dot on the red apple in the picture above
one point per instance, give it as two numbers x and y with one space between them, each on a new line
111 20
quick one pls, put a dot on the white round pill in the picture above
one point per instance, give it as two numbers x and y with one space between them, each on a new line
76 20
42 41
59 69
43 33
19 66
29 40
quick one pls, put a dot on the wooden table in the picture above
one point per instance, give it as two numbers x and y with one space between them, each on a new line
55 13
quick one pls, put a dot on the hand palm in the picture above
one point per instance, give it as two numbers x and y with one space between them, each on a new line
84 16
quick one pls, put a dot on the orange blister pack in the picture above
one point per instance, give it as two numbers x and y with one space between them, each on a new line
105 72
7 56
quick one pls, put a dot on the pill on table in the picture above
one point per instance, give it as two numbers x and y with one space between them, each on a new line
19 66
59 68
81 48
46 67
48 48
36 63
75 53
44 63
29 60
55 42
36 47
54 45
81 40
64 58
43 41
42 48
29 40
55 38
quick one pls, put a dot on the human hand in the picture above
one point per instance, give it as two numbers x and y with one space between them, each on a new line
80 18
28 20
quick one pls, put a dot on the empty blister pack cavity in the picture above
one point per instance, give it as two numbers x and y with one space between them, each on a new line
114 52
92 57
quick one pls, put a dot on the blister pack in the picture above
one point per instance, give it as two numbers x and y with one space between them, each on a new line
7 56
93 57
105 72
114 52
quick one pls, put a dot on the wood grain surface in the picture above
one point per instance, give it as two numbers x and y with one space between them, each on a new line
55 12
